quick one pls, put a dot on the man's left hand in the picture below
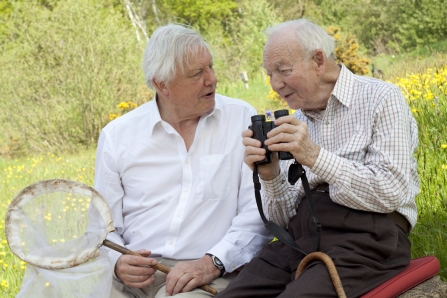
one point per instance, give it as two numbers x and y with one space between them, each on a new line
292 136
186 276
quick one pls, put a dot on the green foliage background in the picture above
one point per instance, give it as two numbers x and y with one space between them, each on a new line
66 64
62 68
383 25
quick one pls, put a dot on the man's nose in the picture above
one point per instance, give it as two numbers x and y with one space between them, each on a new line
276 82
210 77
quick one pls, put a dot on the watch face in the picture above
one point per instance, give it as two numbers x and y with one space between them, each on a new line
217 262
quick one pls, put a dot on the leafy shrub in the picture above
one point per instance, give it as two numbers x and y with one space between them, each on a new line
385 26
239 44
63 68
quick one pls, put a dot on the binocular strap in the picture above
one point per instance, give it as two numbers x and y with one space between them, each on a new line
296 171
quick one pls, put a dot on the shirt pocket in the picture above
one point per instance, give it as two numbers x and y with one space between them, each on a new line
215 172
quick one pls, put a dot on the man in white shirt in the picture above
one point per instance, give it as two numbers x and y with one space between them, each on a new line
172 172
355 137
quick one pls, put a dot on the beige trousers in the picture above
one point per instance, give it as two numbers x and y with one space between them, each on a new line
158 290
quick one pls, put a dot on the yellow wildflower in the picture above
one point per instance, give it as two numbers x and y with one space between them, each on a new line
123 105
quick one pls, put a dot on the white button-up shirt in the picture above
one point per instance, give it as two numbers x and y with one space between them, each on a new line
176 203
367 137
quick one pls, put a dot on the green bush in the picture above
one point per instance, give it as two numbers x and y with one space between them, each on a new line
65 66
239 44
385 26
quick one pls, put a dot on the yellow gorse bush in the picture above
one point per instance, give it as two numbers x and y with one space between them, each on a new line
346 51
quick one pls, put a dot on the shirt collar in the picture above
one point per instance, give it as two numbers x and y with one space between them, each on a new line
314 115
154 113
343 86
216 112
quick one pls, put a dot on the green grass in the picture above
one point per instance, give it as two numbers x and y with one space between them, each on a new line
16 174
430 234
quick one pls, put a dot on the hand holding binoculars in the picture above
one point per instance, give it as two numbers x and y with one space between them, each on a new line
261 128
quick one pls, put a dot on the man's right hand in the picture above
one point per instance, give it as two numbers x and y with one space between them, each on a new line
254 153
134 271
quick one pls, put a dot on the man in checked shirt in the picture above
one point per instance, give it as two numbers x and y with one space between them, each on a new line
355 137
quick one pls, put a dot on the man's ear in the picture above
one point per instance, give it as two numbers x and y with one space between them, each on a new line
160 87
320 60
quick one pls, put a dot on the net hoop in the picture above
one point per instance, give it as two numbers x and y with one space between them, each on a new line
12 222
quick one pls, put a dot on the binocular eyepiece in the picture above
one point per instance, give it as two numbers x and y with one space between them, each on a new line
261 128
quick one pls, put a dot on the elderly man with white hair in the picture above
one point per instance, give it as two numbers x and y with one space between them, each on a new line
355 137
172 172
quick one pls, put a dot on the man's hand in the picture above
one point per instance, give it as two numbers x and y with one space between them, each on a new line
134 271
186 276
254 152
292 136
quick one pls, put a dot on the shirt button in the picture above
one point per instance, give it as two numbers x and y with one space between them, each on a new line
187 161
186 190
178 215
171 242
232 265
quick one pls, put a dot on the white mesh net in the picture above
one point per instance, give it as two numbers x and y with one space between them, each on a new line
57 227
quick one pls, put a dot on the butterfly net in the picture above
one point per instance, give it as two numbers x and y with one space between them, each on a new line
57 228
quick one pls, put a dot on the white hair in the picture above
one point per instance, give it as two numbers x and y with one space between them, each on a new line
170 48
309 36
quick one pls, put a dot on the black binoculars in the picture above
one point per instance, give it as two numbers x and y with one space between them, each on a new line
260 129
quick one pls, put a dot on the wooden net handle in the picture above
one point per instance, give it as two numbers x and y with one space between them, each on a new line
158 266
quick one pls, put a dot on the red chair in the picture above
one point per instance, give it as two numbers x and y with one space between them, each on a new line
418 271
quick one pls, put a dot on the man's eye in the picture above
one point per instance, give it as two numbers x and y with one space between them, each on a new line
285 71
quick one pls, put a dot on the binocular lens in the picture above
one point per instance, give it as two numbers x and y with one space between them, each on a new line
280 113
257 118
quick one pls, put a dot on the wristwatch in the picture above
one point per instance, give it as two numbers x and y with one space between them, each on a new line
218 263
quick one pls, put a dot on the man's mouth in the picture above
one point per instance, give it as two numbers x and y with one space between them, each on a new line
209 95
287 96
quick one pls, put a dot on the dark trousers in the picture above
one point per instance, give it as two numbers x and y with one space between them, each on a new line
367 249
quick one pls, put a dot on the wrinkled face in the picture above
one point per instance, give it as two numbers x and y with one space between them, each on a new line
292 75
193 91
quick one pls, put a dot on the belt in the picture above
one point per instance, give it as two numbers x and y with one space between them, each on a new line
323 187
395 216
400 221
